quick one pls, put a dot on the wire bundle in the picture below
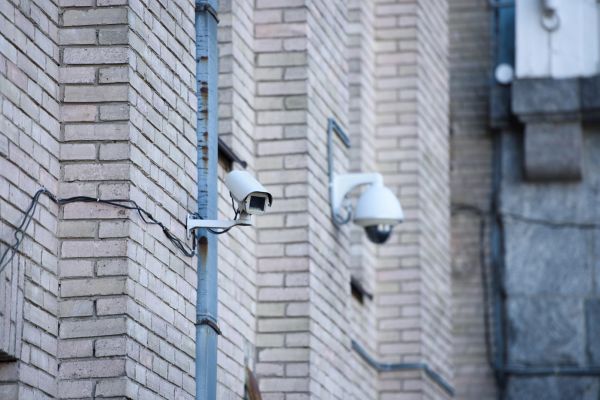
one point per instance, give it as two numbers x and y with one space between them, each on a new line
121 203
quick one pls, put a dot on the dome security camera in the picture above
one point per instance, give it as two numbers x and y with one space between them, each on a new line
377 210
251 197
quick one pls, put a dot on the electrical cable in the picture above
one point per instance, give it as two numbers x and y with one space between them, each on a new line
481 215
21 229
121 203
235 217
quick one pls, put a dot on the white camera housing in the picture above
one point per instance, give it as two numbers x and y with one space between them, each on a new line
377 210
251 197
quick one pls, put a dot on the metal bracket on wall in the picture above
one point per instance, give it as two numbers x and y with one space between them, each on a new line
205 6
207 320
334 128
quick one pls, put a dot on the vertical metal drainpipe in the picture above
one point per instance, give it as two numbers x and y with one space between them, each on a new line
503 39
207 65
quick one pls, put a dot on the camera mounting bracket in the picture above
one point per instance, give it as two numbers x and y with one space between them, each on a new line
342 184
192 223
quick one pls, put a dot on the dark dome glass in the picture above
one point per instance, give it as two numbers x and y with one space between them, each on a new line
379 233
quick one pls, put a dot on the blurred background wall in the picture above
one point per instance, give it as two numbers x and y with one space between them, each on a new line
482 117
523 121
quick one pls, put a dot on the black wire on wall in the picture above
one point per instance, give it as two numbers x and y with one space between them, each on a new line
148 218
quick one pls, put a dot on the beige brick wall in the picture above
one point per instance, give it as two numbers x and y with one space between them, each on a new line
434 195
128 320
162 94
93 268
123 73
282 337
412 151
237 249
471 151
29 151
361 128
126 305
328 96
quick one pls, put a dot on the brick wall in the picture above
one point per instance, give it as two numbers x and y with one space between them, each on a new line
283 295
413 288
126 306
434 218
93 268
237 249
29 158
328 96
361 128
129 132
123 73
471 162
162 94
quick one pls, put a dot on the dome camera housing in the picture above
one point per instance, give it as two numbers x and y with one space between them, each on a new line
378 211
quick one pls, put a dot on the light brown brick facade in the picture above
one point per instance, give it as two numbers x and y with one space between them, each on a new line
471 151
99 99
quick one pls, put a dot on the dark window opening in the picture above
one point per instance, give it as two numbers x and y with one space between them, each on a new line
358 290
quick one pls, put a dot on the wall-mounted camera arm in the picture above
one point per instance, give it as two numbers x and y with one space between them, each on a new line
251 197
193 223
377 209
341 185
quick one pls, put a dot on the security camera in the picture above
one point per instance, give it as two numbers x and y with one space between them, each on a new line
377 210
251 197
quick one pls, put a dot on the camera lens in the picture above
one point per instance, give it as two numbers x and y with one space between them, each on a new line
379 233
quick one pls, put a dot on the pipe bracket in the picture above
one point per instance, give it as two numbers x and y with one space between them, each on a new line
210 322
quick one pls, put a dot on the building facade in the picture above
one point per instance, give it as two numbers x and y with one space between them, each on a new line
105 99
100 99
524 227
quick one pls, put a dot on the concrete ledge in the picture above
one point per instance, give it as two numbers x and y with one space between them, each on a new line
552 111
553 150
544 97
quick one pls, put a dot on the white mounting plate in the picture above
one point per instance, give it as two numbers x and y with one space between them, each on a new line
196 223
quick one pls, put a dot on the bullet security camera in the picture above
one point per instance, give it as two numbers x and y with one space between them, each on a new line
251 197
377 210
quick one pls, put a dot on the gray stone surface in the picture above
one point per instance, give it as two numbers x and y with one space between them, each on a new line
590 87
545 260
592 317
552 268
553 150
532 97
500 106
553 388
596 260
557 201
591 158
545 331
